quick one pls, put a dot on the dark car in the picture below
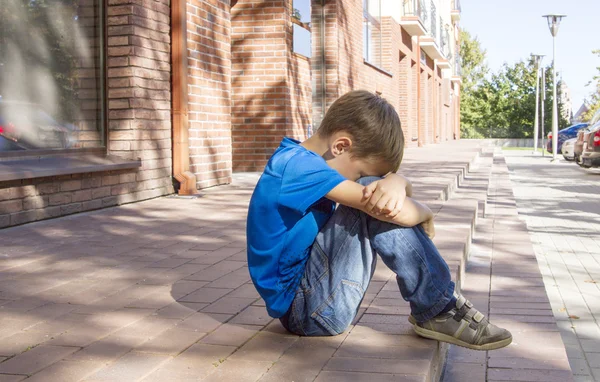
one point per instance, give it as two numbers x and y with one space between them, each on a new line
564 134
590 156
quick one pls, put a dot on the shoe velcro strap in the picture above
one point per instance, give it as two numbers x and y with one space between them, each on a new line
477 317
460 302
461 313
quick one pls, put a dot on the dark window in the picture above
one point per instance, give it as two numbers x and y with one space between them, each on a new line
51 77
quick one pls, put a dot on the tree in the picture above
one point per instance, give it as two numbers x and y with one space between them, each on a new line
473 104
595 96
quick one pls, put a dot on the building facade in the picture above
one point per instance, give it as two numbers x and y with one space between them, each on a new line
105 102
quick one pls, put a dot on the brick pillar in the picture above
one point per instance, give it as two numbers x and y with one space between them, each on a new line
139 87
209 91
259 81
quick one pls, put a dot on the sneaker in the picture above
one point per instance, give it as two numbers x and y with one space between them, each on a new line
463 326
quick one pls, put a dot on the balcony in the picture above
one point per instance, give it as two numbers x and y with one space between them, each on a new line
414 17
455 11
457 69
431 42
445 48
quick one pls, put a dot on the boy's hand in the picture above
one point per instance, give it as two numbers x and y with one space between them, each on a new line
429 228
386 196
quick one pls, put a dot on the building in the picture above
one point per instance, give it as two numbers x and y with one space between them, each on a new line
105 102
578 117
564 97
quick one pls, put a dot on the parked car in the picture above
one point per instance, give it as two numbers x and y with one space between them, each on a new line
26 126
591 145
568 149
583 137
564 134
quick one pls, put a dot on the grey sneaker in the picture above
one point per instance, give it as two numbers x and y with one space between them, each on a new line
463 326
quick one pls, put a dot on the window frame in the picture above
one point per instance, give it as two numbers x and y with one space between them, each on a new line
103 103
305 26
369 19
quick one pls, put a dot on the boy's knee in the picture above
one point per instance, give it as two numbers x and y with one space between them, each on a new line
366 180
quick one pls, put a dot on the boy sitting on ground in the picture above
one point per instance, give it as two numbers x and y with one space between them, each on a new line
312 262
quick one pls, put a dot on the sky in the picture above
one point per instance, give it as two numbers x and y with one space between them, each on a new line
511 30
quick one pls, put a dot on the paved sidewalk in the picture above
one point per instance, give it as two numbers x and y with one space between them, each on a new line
160 291
561 205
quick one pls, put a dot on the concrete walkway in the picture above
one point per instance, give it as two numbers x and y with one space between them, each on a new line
561 205
159 291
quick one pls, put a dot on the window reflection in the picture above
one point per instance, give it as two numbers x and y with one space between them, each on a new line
50 74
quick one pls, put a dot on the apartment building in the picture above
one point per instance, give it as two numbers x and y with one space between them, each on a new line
105 102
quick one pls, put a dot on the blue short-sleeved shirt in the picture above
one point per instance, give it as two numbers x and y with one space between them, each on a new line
286 212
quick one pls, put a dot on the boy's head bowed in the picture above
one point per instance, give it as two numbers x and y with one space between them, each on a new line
372 123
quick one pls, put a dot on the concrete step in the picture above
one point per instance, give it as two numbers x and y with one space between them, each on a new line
503 280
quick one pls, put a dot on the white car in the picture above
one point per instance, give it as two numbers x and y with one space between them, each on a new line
568 149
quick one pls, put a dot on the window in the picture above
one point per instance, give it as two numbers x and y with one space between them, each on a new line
301 18
51 76
372 32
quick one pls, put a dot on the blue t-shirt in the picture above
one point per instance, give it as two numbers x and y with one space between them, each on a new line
286 212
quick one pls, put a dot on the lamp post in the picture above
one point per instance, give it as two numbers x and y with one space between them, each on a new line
537 58
553 24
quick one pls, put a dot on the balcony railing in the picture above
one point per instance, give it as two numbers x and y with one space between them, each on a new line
434 31
456 5
457 66
445 42
415 8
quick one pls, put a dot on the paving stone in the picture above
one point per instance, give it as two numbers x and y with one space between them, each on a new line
529 375
180 309
264 347
35 359
67 371
171 342
131 367
460 372
231 335
334 376
205 295
195 363
11 377
252 315
374 365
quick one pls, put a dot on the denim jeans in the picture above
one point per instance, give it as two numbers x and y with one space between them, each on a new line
342 262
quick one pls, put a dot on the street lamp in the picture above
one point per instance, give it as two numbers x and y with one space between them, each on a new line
537 58
553 24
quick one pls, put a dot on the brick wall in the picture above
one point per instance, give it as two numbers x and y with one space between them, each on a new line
260 91
209 91
138 124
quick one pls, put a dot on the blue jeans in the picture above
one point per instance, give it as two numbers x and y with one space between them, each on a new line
342 262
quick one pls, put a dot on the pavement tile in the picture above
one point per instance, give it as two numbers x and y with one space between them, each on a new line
205 295
231 335
252 315
11 377
461 372
527 363
35 359
264 346
184 287
172 342
203 322
246 290
335 376
529 375
192 365
374 365
67 371
238 370
229 305
130 367
180 309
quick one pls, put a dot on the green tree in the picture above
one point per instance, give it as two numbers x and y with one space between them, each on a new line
474 106
594 101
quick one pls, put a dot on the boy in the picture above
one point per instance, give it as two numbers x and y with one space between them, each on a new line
311 262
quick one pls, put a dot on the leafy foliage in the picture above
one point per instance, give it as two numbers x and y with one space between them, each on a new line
594 101
501 104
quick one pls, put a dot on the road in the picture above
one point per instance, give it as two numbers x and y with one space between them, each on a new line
560 203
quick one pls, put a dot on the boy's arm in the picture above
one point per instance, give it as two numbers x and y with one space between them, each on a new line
351 194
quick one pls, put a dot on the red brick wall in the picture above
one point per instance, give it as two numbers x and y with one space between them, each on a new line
209 91
138 124
260 94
